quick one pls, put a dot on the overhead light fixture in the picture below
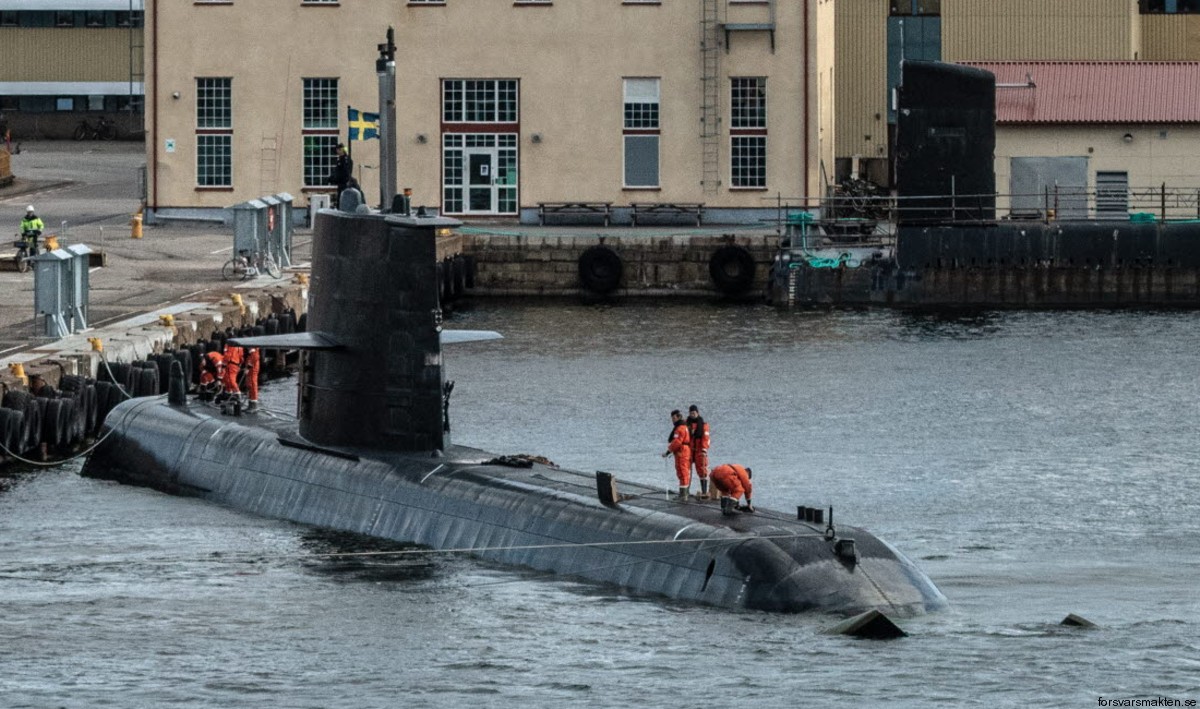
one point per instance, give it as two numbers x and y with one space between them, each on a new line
1128 137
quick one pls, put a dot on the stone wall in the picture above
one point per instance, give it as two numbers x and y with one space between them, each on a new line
652 265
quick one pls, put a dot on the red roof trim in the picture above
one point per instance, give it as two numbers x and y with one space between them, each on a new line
1078 92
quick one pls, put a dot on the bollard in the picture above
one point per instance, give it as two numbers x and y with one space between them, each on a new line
51 243
237 300
97 344
136 223
167 320
18 371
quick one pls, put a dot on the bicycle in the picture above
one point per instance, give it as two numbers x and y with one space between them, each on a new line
102 130
26 248
243 267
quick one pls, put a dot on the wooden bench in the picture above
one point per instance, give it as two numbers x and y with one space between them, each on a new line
688 209
597 209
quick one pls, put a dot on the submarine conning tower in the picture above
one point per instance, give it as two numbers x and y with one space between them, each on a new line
945 140
374 296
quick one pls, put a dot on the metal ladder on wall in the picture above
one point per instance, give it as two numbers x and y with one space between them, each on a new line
137 65
710 87
268 169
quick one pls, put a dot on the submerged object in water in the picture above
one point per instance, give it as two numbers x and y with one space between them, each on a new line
371 454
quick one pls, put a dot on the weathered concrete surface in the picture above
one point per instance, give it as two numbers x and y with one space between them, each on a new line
656 262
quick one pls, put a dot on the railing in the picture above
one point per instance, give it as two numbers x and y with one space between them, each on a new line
1056 203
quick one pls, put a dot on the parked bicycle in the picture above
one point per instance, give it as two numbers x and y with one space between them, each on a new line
244 266
27 248
103 129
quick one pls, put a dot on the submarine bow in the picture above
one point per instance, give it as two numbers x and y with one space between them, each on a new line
377 460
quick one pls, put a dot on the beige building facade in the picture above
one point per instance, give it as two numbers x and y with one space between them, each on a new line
501 105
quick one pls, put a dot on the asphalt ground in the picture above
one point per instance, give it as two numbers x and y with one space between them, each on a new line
88 192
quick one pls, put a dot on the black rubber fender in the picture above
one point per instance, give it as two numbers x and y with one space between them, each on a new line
184 357
600 269
287 321
52 434
107 397
302 323
11 424
33 422
470 270
271 326
458 276
732 269
70 421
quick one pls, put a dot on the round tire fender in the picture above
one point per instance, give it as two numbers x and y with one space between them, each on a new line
600 269
732 269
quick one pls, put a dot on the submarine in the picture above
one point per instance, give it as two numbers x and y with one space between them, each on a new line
370 452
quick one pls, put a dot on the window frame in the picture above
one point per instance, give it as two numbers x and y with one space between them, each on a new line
641 125
320 110
214 132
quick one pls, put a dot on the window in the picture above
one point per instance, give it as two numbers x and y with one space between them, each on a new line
916 7
8 18
321 110
641 132
214 132
1169 7
479 101
748 132
64 18
94 18
749 103
64 103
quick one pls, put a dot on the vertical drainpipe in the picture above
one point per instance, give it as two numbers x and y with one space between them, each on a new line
807 68
152 172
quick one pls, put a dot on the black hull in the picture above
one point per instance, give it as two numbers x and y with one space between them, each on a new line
541 518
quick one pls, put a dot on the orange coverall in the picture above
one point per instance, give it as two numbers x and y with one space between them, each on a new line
252 366
679 443
698 429
211 369
233 365
732 481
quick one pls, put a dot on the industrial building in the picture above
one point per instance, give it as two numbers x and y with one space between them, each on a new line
508 108
67 60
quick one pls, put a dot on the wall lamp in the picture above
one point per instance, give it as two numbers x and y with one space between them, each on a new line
1128 137
422 139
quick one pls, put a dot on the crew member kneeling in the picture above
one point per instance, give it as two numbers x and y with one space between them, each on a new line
733 481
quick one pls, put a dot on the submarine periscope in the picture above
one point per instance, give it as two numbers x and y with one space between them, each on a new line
371 453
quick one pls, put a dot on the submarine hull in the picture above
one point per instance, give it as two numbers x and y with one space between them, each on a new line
543 518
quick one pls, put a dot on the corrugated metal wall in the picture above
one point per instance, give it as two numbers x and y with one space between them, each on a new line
1171 37
54 54
861 75
1038 29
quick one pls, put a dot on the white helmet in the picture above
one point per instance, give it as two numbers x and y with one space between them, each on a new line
29 209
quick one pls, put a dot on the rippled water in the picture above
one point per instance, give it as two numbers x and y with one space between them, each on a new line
1033 464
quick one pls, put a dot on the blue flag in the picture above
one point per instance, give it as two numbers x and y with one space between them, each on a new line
363 126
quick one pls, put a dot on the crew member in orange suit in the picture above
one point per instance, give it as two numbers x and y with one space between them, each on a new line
233 365
211 366
679 444
733 481
252 368
698 430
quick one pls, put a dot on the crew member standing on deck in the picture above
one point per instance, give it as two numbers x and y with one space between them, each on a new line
679 444
733 481
233 365
252 369
698 430
342 173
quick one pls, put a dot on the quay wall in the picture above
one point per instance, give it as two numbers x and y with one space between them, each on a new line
651 265
1055 265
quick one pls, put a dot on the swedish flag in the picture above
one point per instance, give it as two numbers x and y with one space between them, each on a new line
363 126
